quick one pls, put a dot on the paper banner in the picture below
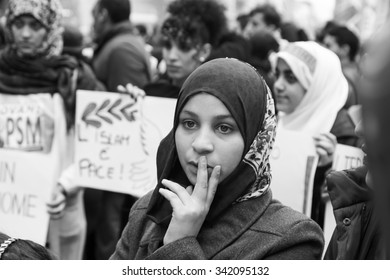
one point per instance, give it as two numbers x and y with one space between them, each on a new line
117 140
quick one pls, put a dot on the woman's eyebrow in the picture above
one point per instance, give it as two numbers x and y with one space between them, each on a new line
192 114
223 117
217 117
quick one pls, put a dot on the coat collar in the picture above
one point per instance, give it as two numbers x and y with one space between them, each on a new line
348 187
218 234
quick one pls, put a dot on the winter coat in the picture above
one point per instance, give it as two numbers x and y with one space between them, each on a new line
121 58
357 235
260 228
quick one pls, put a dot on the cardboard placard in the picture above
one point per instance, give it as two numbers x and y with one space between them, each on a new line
28 164
117 139
293 164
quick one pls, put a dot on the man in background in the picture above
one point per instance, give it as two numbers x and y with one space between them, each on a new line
119 58
264 18
345 44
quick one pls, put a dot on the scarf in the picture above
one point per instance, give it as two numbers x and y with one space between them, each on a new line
48 13
319 72
245 94
45 75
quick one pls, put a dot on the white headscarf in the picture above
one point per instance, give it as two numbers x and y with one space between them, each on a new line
319 72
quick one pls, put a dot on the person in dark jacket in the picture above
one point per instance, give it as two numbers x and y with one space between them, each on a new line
358 235
213 198
119 58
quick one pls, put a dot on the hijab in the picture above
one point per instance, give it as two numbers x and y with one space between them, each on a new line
48 13
49 71
319 72
247 97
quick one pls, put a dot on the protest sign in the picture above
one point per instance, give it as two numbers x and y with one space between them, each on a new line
345 157
117 139
293 164
29 163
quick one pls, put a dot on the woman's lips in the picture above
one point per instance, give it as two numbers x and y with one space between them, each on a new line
194 168
172 68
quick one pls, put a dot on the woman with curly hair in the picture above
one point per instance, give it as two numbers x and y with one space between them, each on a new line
188 35
213 197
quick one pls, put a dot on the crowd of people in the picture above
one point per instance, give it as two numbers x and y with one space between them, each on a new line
234 90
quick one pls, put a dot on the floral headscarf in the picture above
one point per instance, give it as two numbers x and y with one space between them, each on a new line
47 12
247 97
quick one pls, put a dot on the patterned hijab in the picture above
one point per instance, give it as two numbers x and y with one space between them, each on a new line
48 13
245 94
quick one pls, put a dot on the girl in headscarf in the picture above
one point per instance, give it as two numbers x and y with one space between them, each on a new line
310 93
31 65
32 61
213 200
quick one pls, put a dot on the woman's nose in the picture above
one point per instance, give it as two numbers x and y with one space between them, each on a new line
171 54
278 85
203 143
26 31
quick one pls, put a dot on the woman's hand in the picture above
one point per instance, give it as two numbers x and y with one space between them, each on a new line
134 91
57 205
191 205
325 144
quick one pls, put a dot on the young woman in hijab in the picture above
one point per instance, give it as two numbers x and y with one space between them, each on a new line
311 92
32 64
213 200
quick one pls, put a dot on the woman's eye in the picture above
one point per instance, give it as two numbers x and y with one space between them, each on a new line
36 25
291 79
224 129
189 124
18 24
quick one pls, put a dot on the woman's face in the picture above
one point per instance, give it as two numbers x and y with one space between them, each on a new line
206 128
288 90
180 63
29 35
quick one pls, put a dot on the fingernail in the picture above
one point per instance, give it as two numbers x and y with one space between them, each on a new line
202 160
